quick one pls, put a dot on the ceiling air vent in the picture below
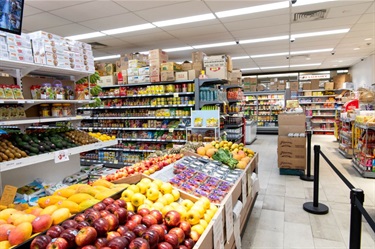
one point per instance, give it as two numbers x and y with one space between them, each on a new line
310 15
97 45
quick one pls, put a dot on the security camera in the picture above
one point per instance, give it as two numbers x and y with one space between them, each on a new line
332 53
293 1
292 39
362 59
237 42
287 57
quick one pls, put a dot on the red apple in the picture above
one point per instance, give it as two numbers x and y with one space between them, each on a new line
104 213
140 229
130 214
118 243
152 237
122 230
41 223
165 227
101 226
92 216
172 239
182 247
160 230
86 236
179 232
139 243
194 235
120 203
55 231
158 215
130 224
108 201
137 218
89 210
112 207
189 243
69 224
121 214
149 220
82 224
88 247
129 235
172 218
99 206
79 217
69 235
40 242
186 227
101 242
58 243
113 222
112 234
143 211
165 245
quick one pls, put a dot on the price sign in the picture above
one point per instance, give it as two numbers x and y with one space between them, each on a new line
229 218
30 101
175 95
218 232
21 101
90 129
171 129
61 156
8 195
115 161
244 189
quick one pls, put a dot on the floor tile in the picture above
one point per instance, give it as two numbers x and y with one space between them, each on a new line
298 236
273 202
265 239
271 220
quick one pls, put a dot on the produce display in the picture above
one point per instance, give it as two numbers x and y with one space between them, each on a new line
9 152
108 123
80 137
101 136
146 167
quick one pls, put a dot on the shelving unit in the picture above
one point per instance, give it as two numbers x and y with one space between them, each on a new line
346 143
264 107
363 157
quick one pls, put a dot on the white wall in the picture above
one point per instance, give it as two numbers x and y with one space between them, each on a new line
363 73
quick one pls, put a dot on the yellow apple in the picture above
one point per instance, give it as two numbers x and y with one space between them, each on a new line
158 206
169 198
127 195
187 204
158 183
148 202
200 203
198 209
144 206
129 206
163 201
192 217
206 202
182 212
137 199
203 223
152 194
146 180
166 188
210 213
207 218
198 228
213 207
176 194
134 188
166 209
142 187
153 185
174 205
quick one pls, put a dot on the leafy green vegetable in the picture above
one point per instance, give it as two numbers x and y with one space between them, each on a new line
224 156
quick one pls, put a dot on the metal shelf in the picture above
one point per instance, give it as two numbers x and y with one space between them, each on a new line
28 161
131 129
323 96
233 126
151 140
232 86
211 81
132 107
361 170
127 150
147 95
37 120
106 163
345 154
310 103
150 117
153 83
331 130
203 103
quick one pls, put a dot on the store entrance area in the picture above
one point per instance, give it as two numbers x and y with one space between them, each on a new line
278 219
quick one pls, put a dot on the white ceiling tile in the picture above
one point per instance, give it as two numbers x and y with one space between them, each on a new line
54 4
348 10
261 32
183 9
197 31
28 10
90 10
155 36
191 26
144 5
371 9
257 23
68 30
326 24
367 18
208 38
113 22
42 21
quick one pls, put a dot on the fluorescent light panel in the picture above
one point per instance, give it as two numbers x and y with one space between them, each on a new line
308 2
177 49
220 44
321 33
249 68
240 57
107 57
128 29
183 20
298 65
253 9
266 39
85 36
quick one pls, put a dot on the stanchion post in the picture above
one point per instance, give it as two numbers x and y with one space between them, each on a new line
308 176
355 219
315 207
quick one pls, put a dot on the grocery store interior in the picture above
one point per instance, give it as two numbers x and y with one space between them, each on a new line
187 124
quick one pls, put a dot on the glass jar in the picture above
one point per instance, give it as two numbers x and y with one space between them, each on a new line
46 91
69 93
44 110
66 110
57 110
59 90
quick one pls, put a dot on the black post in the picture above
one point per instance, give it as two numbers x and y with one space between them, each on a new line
315 207
308 176
355 219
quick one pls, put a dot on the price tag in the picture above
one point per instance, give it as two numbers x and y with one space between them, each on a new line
90 129
115 161
30 101
175 95
61 156
229 218
218 232
79 117
21 101
1 101
171 129
10 164
8 195
244 189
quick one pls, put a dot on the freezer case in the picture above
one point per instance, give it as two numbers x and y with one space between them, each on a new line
250 131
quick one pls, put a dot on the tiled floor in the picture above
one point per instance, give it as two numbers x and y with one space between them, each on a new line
278 220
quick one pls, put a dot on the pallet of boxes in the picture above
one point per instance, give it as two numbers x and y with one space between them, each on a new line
291 149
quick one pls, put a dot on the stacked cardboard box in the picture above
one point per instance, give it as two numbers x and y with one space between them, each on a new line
250 84
216 66
341 81
16 47
291 150
156 57
235 77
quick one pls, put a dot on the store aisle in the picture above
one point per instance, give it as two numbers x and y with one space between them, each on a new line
278 220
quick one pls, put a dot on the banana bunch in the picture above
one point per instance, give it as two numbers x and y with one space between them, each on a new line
97 103
96 90
93 78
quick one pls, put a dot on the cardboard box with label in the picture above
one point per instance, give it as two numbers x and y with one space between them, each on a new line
294 86
281 86
167 76
314 84
198 66
273 86
186 66
197 56
181 76
306 86
328 86
193 74
109 80
157 54
170 66
291 123
217 72
215 61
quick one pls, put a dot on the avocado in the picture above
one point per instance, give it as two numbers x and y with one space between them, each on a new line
41 148
34 150
59 145
32 154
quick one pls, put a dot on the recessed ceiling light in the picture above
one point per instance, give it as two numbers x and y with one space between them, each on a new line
356 48
212 45
308 58
307 2
183 20
368 39
177 49
128 29
292 53
240 57
107 57
320 33
249 68
274 67
85 36
298 65
254 9
269 55
340 61
266 39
